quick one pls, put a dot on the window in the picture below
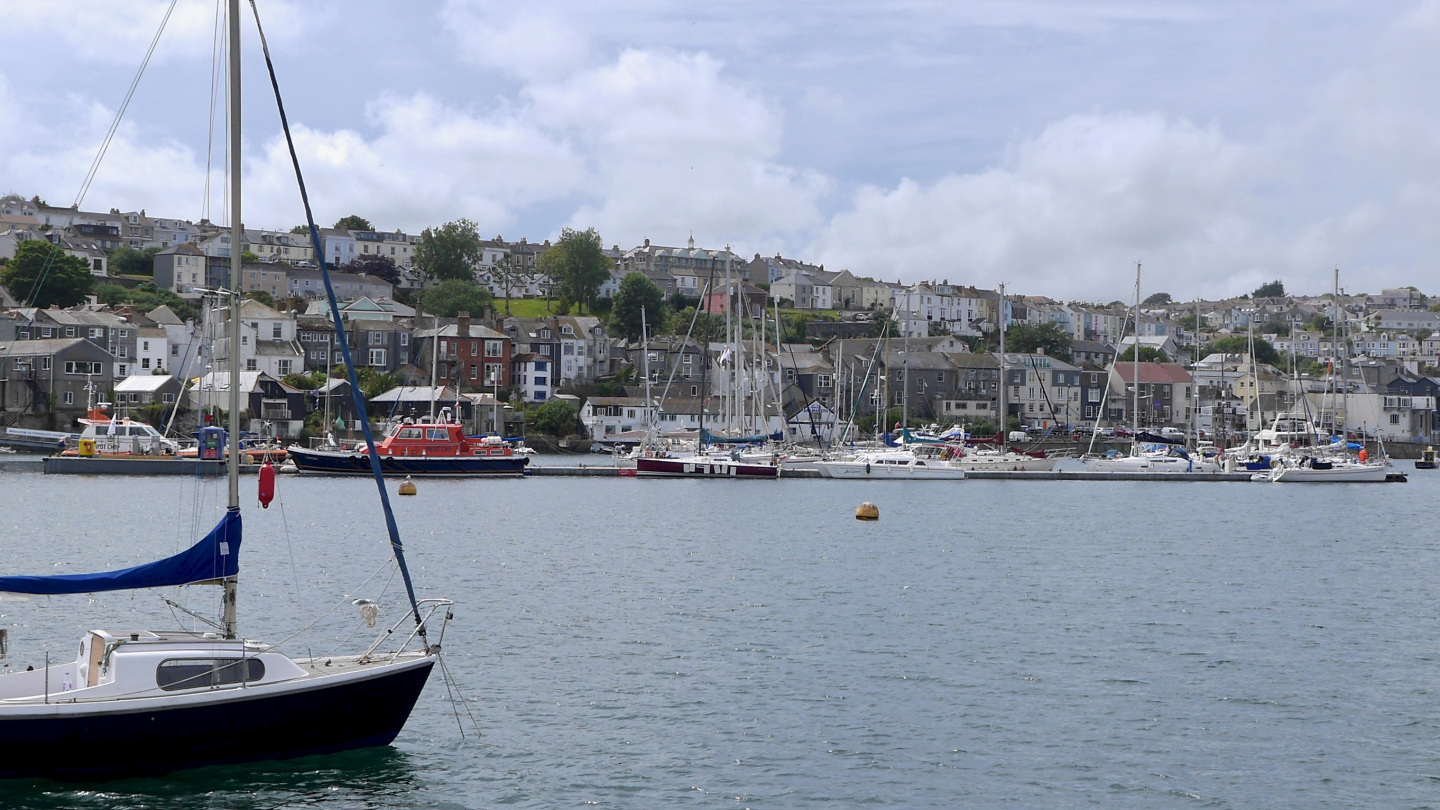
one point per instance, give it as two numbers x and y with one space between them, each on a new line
377 339
69 397
44 364
474 348
81 367
275 332
198 673
282 366
69 331
493 373
377 357
95 333
144 362
167 398
250 364
404 338
175 351
474 372
122 370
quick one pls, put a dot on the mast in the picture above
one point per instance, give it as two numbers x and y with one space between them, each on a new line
1135 369
1004 410
706 297
237 233
905 386
651 438
435 362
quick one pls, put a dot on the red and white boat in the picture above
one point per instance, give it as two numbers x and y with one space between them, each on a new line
702 466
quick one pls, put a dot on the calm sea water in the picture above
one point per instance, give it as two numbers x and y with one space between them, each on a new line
628 643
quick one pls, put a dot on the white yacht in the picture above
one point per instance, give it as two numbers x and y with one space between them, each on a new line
903 464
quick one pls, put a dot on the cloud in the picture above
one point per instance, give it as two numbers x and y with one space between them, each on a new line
119 33
1073 208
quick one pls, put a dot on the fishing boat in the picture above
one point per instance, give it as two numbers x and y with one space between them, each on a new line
136 701
1426 460
436 447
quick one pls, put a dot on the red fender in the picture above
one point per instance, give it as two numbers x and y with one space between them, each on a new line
267 484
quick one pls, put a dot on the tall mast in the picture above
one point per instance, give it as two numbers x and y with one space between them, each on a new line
650 437
435 362
905 385
1004 410
237 234
1135 364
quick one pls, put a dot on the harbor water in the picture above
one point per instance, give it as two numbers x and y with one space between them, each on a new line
728 644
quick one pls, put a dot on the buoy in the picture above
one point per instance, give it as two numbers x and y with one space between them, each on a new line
1364 455
267 484
867 511
407 487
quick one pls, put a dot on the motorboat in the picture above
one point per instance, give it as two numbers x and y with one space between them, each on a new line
899 464
436 447
1167 459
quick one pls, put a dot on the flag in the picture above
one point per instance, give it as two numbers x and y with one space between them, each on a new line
725 358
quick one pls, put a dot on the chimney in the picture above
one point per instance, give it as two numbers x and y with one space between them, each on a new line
462 324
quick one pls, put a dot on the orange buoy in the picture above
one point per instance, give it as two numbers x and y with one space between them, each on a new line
1364 455
267 484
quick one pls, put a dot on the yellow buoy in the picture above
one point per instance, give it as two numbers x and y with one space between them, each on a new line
407 487
867 511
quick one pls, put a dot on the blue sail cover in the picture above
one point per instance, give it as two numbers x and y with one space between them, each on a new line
217 555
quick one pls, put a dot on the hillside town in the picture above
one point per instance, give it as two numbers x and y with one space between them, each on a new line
812 347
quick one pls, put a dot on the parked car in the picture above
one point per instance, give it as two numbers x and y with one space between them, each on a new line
1105 431
1122 431
1169 432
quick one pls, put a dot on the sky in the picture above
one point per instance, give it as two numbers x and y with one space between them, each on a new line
1048 144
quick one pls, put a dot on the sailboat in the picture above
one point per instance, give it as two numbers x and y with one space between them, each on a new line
1169 459
146 702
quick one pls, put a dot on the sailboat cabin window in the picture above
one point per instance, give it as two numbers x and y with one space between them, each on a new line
177 674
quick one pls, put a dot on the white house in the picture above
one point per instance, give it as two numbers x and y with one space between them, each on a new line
153 349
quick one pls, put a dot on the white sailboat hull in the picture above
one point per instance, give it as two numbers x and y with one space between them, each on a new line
1339 474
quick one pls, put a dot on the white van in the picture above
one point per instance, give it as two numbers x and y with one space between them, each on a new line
1018 436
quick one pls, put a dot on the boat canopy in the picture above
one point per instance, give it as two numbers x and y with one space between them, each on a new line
216 556
710 438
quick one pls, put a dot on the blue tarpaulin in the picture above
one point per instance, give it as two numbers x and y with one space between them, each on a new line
217 555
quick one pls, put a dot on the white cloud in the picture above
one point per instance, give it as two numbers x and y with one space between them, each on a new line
119 33
1071 211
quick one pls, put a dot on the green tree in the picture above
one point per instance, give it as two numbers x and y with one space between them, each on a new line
374 383
354 222
127 261
1274 289
303 230
42 275
449 298
111 294
636 293
263 297
1026 338
1148 354
1240 344
146 296
882 324
1158 298
555 418
373 264
450 251
577 265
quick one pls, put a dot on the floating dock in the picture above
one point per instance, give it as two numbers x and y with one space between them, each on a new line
116 465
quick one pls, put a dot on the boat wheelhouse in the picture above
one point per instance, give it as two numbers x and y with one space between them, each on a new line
438 447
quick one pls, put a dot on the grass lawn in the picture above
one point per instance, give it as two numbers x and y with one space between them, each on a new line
528 308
